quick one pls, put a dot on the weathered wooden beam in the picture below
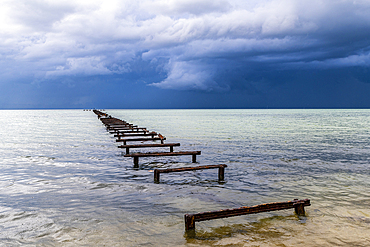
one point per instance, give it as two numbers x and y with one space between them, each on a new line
150 145
112 123
298 206
139 140
116 130
100 114
128 131
119 135
221 170
137 155
116 123
123 128
111 120
120 126
112 131
114 127
163 154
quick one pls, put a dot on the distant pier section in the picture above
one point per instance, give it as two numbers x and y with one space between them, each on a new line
129 133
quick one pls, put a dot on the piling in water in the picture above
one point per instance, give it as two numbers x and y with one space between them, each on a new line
298 206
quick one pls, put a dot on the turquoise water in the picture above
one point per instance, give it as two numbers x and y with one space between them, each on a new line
64 182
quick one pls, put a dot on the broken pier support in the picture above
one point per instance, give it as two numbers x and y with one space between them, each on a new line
140 140
221 171
298 206
171 145
137 155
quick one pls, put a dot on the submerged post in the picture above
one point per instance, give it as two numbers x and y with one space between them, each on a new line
299 208
221 173
156 175
136 161
189 222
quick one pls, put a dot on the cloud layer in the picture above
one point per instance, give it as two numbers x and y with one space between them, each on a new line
206 45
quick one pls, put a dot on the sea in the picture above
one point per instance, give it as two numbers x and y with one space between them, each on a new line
65 182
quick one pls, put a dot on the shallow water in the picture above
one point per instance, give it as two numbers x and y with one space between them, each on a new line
64 182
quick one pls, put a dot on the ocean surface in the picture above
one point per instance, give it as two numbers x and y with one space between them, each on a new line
64 182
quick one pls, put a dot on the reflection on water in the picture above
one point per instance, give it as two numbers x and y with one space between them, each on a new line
64 182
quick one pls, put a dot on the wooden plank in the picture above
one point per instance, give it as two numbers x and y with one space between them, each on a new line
152 134
124 129
117 123
119 126
163 154
182 169
99 113
111 120
115 126
128 128
128 131
137 155
139 140
150 145
298 205
221 170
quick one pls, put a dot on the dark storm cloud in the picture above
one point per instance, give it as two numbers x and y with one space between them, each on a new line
205 45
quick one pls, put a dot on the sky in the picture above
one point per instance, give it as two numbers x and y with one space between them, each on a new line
184 54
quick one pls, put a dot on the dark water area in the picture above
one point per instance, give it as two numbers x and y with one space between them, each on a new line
64 182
